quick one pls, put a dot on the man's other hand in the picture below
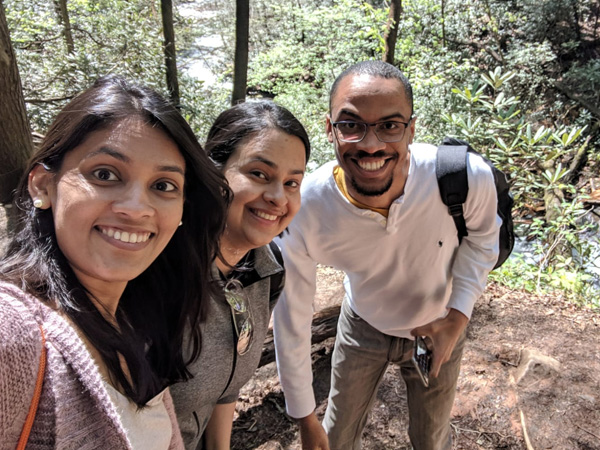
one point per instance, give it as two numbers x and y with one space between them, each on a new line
312 434
444 334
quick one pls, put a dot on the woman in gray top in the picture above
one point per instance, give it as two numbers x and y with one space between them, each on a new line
262 150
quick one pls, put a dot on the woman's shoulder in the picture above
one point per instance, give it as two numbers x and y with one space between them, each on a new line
20 350
20 333
267 260
17 315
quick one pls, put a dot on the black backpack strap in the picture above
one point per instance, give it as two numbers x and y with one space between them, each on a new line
278 279
451 171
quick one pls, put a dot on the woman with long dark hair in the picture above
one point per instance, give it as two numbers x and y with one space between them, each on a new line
120 216
262 150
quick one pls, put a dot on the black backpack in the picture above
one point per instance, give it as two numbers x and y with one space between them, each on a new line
451 170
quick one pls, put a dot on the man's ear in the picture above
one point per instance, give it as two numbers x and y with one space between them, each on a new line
411 130
329 129
40 184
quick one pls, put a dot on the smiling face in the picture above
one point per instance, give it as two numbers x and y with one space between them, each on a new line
375 171
116 202
264 173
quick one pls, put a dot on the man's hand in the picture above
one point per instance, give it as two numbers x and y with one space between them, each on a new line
444 334
312 434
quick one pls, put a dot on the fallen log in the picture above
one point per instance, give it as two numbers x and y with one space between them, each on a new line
324 326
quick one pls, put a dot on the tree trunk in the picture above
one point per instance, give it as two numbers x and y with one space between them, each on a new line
324 325
240 65
443 23
391 33
63 18
15 135
166 9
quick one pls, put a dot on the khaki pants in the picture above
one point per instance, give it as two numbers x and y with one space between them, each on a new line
360 358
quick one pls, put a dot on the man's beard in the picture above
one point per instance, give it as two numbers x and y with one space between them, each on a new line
368 190
372 191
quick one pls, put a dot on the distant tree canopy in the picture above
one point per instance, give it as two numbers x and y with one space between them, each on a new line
519 79
105 36
297 48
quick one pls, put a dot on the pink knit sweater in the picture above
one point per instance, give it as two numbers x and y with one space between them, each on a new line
75 411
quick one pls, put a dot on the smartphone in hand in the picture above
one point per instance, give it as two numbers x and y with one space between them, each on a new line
421 359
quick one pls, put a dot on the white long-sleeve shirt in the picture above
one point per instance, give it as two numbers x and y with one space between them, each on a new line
402 271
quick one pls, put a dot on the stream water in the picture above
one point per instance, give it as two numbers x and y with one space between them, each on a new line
206 53
526 249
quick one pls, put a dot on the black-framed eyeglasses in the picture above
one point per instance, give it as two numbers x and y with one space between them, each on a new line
240 314
386 131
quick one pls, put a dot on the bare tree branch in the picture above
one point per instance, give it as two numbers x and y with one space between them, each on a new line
480 46
36 101
594 109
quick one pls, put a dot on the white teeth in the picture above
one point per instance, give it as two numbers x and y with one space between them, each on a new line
124 236
371 166
265 215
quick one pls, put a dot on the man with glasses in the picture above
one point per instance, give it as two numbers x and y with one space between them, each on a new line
376 213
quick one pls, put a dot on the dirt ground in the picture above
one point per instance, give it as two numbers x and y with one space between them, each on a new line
547 409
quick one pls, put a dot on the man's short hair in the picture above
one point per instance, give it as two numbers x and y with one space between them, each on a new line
379 69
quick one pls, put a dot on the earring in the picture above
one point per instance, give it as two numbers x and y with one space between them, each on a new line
180 222
38 203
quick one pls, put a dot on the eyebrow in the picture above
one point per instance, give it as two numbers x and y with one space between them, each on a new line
174 169
121 157
110 152
270 163
382 119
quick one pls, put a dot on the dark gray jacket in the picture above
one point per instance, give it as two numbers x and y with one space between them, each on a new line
219 372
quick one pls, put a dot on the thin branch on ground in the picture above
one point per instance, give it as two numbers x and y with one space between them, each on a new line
588 431
525 434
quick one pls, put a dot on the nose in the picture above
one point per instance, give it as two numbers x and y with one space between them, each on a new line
134 201
275 194
370 143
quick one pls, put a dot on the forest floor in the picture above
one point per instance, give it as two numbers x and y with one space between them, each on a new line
554 405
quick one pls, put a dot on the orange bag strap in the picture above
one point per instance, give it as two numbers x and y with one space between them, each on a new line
36 397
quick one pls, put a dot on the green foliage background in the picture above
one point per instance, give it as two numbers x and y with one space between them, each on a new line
520 80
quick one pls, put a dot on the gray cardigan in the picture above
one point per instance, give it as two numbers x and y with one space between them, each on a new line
75 411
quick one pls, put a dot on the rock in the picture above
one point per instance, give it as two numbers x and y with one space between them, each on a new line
535 364
588 398
508 354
